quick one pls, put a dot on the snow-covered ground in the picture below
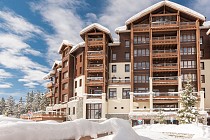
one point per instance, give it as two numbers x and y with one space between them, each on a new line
17 129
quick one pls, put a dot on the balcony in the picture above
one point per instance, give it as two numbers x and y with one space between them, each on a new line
95 41
141 96
162 81
166 95
119 81
49 85
95 67
165 109
164 40
141 28
165 67
164 53
95 55
95 80
164 25
49 94
187 25
94 96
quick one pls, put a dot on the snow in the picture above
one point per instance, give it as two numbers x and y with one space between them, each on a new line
206 25
98 26
120 29
64 42
17 129
56 63
74 48
167 3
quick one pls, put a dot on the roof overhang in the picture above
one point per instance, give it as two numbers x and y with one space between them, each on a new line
63 44
79 45
169 4
56 63
121 29
97 26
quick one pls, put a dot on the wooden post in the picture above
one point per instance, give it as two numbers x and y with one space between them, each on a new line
198 54
132 59
104 63
86 61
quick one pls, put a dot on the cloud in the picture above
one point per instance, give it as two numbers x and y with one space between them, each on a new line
201 6
5 85
4 74
118 11
31 85
61 15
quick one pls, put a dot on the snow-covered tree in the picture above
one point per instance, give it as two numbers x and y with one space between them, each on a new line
2 106
188 112
161 117
20 108
36 101
10 106
43 102
29 100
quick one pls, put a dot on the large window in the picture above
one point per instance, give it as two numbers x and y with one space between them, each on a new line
114 68
141 52
187 50
127 43
141 39
185 77
127 56
125 93
112 93
141 65
141 79
188 64
93 111
127 68
187 37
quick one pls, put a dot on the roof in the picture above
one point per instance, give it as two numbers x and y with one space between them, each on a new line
74 48
208 32
56 63
206 25
169 4
121 29
47 76
99 27
64 42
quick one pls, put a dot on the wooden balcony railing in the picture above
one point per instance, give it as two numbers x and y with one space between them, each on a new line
141 96
141 27
95 41
49 85
164 53
165 109
94 96
94 79
95 66
164 40
165 67
49 94
173 80
95 54
166 95
119 81
164 25
187 25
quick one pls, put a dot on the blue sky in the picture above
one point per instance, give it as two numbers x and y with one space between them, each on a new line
31 32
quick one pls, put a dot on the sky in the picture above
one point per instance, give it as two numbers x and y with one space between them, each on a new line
31 32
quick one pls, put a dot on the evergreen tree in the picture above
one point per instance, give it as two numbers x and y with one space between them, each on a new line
29 100
2 106
36 102
188 112
43 102
10 106
20 108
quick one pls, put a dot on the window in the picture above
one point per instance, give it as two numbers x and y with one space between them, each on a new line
127 68
188 64
202 65
141 90
127 56
141 65
65 98
187 37
114 56
127 43
80 70
202 78
80 82
65 64
80 58
74 110
56 90
65 86
187 51
202 53
201 40
141 52
56 100
125 93
203 89
75 84
114 68
65 75
69 111
112 93
141 40
93 111
185 77
141 79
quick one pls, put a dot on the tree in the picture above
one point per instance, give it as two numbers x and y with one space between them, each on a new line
29 100
43 102
20 108
2 106
10 106
36 102
188 112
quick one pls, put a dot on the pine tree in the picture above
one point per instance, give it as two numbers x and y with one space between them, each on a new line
43 102
2 106
20 108
29 100
188 112
10 106
36 102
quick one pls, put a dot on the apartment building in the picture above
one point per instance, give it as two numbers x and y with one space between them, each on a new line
141 74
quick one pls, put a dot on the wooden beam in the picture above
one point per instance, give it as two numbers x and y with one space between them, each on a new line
178 46
86 62
150 48
164 15
132 59
198 54
104 63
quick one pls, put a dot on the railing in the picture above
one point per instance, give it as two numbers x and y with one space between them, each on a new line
49 85
164 40
171 94
141 27
49 94
74 98
119 81
94 96
94 79
173 80
95 66
165 24
187 25
165 109
95 41
164 53
95 54
141 96
165 66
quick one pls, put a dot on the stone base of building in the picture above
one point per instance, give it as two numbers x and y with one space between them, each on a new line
121 116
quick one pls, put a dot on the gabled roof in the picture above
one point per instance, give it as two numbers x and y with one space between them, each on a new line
206 25
74 48
64 42
97 26
169 4
121 29
49 75
56 63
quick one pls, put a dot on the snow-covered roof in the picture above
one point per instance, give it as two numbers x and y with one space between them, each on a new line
206 25
47 76
121 29
56 63
99 27
74 48
169 4
64 42
208 32
114 44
